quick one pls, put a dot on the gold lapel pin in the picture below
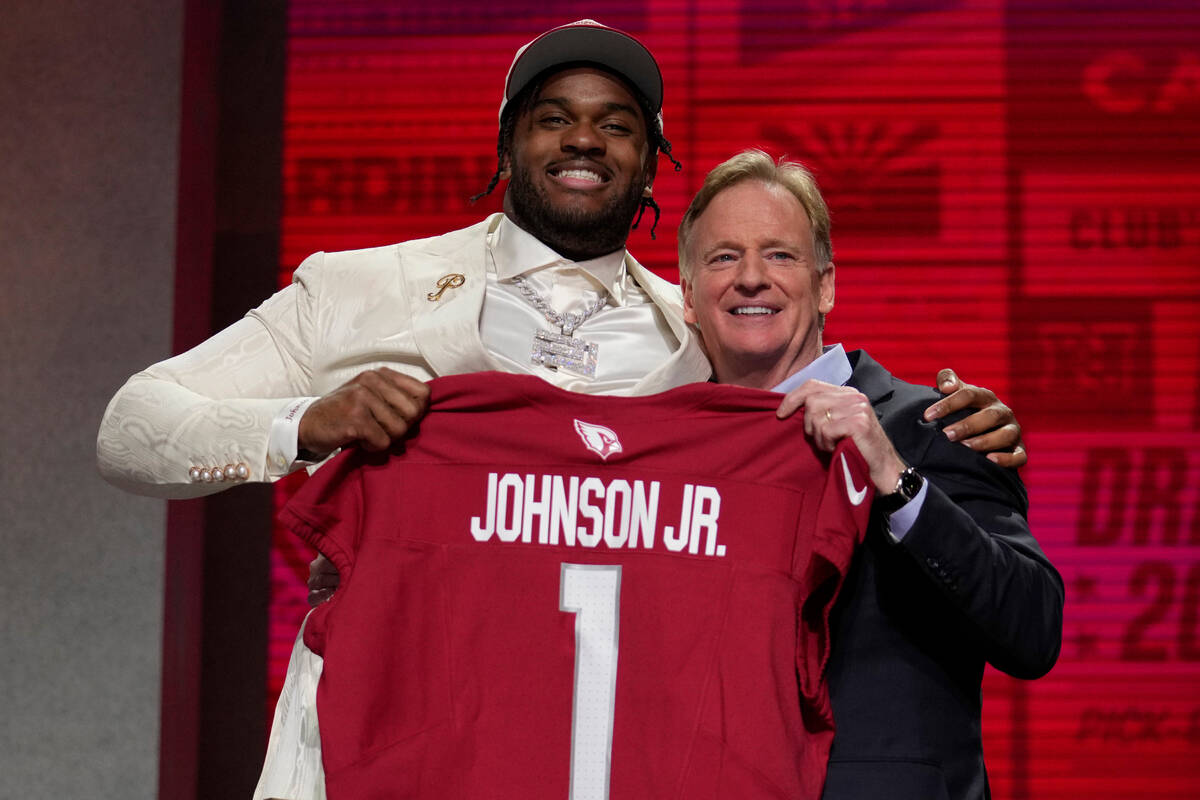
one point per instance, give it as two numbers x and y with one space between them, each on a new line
451 281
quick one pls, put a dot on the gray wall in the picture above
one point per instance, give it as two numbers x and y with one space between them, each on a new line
89 129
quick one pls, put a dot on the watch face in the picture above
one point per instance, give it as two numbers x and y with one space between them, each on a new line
906 489
910 484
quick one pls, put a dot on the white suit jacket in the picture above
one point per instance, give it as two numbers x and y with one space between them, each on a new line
343 314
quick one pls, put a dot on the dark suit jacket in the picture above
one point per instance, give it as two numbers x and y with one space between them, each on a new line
916 621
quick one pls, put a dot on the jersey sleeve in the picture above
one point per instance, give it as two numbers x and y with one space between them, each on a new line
328 513
841 523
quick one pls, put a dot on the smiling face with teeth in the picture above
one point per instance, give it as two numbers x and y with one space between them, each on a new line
754 286
579 161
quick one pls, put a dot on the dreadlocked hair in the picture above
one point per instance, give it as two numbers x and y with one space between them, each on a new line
660 145
508 124
524 100
647 202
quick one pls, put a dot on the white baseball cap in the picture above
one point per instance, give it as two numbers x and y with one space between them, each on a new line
588 41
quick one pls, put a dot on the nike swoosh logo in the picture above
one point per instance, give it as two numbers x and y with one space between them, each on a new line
856 495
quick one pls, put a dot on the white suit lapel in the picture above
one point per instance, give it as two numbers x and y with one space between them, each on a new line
446 330
687 364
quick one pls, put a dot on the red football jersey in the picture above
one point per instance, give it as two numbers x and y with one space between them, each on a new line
553 595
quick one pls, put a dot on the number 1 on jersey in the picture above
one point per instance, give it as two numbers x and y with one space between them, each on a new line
593 594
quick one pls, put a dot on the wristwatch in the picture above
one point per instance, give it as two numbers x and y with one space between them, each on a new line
907 487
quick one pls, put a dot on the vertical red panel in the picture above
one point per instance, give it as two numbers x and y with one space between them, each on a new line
179 736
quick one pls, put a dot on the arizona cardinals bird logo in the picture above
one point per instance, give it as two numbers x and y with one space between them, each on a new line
600 440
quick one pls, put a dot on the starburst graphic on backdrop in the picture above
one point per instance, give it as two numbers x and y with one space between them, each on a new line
879 176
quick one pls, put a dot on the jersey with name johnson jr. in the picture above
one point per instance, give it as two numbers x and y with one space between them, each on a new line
553 595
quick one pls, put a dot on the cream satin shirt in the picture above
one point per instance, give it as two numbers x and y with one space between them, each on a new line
633 336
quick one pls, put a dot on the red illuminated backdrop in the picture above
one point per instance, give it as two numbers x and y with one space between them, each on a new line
1015 189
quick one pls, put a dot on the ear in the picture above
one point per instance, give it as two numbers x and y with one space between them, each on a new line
651 171
825 288
689 308
506 166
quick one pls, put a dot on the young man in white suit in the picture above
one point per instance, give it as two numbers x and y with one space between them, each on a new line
339 357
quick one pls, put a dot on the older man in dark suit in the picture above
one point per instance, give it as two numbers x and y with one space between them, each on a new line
950 577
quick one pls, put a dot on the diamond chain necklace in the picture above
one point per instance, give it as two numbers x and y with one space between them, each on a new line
567 322
562 350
